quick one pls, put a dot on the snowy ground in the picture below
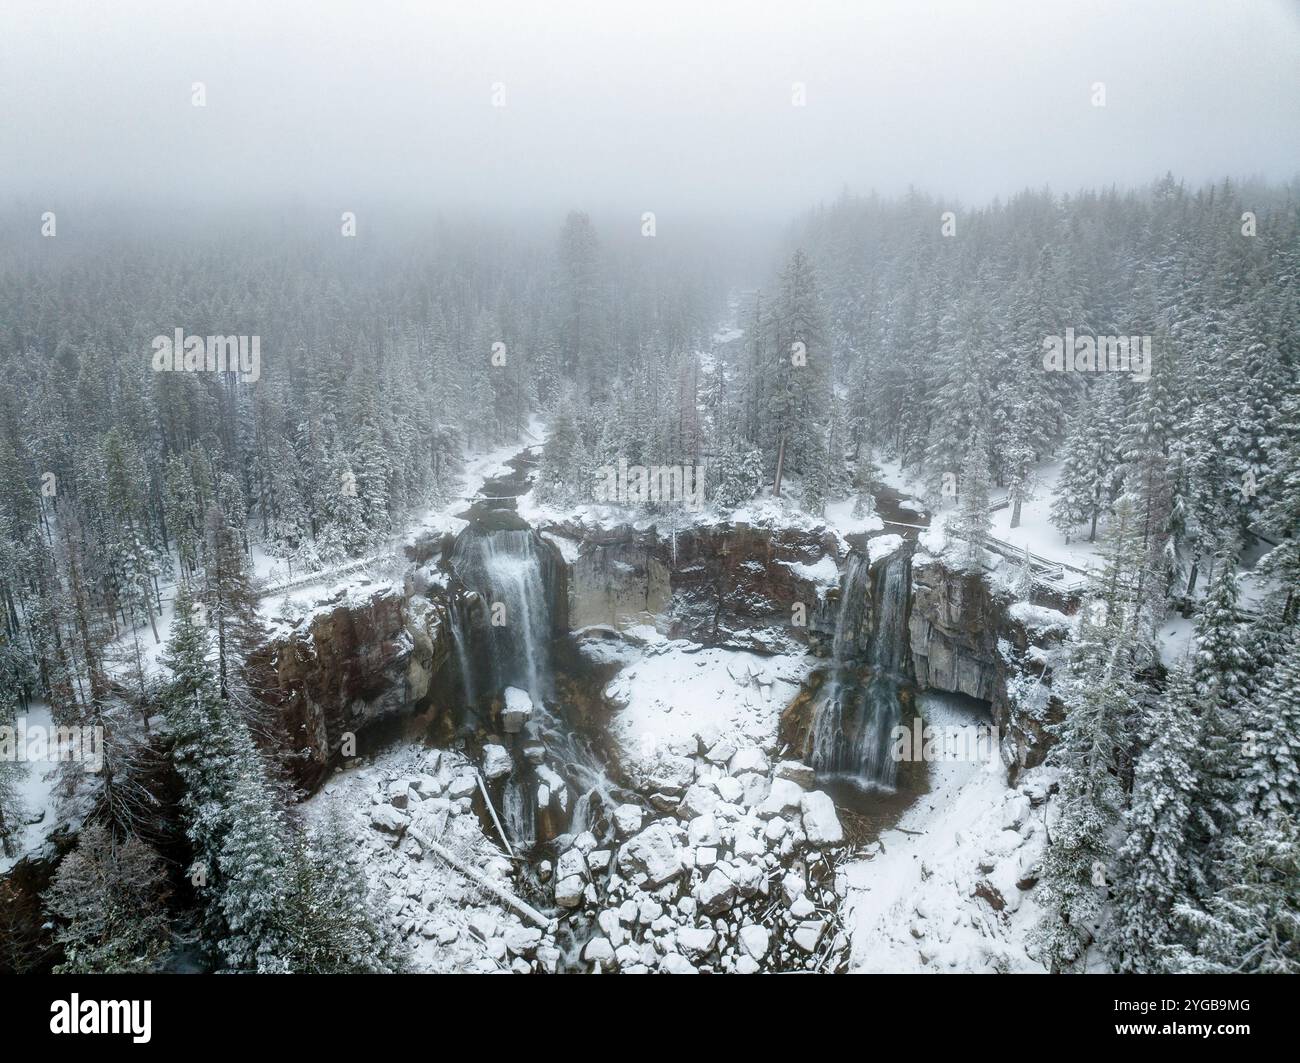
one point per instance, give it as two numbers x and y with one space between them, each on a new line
44 803
447 922
678 692
913 900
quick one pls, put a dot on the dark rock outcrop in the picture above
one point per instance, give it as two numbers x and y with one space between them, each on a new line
733 585
348 668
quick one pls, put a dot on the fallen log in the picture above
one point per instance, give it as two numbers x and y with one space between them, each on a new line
519 907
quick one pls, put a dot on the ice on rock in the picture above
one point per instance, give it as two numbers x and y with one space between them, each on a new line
821 824
706 857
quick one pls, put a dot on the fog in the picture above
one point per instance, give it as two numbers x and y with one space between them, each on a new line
648 106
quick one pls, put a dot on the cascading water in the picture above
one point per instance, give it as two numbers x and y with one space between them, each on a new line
855 718
505 568
460 643
509 570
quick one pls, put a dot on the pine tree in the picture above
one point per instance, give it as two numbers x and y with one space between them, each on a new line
1091 745
1271 768
1152 868
1251 925
109 899
972 522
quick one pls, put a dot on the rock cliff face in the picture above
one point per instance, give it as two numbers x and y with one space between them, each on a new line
955 624
732 585
967 639
349 668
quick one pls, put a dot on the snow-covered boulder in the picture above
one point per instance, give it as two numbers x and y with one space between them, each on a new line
751 758
627 820
783 796
496 761
652 852
821 824
568 891
517 711
716 893
755 940
388 819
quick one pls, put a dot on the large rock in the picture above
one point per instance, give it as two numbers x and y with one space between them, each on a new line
496 761
821 824
517 711
388 819
716 893
755 940
627 820
568 891
696 942
784 796
797 772
654 853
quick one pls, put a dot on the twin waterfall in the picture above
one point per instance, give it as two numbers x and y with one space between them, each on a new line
860 706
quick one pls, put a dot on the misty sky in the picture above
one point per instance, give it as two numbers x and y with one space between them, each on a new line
653 106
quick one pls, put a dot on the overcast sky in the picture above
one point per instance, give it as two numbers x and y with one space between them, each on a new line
657 106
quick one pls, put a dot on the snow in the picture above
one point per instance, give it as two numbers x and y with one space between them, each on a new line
839 515
679 691
923 883
1039 618
825 571
36 793
882 546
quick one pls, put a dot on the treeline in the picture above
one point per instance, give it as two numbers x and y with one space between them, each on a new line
128 495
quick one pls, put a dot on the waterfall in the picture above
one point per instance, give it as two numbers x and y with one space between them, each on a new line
505 568
460 643
519 811
855 717
509 569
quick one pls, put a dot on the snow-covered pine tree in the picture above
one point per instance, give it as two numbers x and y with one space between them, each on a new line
1251 925
109 904
1152 867
1271 761
970 525
1092 742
